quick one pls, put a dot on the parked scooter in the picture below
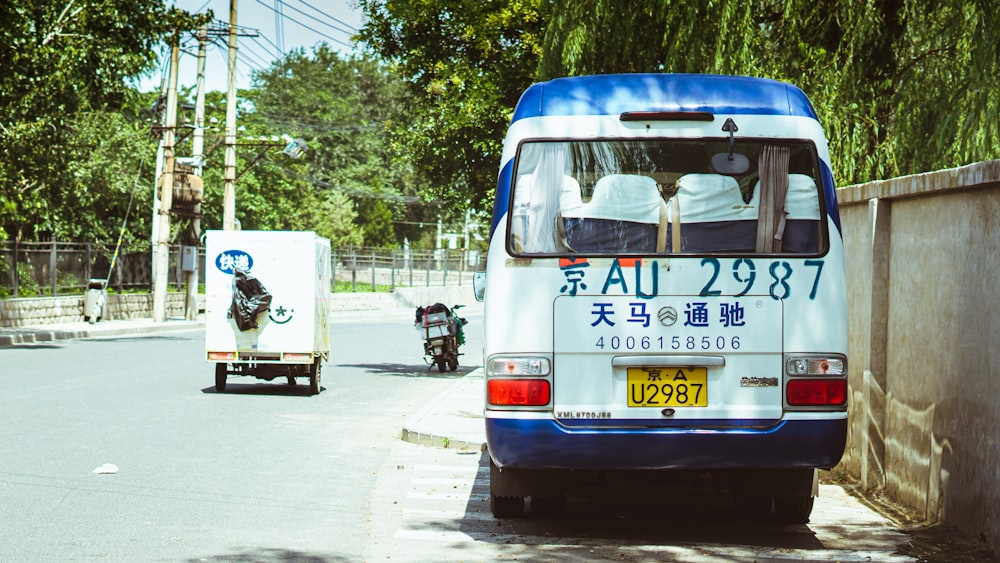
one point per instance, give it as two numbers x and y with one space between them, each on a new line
442 332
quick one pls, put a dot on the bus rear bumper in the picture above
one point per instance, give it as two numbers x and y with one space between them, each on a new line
545 444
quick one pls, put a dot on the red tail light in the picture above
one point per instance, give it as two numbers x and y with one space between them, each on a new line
518 392
816 392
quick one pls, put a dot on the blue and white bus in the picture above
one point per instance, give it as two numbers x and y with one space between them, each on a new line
665 292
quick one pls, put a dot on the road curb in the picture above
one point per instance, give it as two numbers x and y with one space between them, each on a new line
432 440
438 425
21 337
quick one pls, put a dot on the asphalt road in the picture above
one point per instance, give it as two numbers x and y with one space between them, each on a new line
261 472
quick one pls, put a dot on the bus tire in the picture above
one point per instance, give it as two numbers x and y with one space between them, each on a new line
793 509
548 506
753 506
506 507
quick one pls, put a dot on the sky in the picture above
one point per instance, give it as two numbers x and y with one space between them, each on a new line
301 23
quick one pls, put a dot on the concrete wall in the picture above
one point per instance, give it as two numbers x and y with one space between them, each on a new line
924 298
32 311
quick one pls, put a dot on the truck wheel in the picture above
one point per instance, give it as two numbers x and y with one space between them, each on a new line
220 377
441 364
314 376
452 364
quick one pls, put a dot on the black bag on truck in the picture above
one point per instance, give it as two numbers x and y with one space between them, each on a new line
250 298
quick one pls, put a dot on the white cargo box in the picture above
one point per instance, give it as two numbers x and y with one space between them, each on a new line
294 268
433 325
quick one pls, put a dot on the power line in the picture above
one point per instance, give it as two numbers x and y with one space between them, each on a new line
261 60
342 22
314 18
279 27
271 43
317 32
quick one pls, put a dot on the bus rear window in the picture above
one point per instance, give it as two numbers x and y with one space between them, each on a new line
666 196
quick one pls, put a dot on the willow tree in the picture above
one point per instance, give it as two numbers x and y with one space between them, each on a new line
902 86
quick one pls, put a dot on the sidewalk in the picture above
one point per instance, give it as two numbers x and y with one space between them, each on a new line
17 336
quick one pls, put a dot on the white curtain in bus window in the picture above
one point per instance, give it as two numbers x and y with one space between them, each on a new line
542 189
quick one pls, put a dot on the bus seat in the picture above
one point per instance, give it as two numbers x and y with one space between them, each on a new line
622 216
802 214
570 198
713 215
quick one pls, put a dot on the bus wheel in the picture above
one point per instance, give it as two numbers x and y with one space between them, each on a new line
793 509
548 506
753 506
506 507
220 377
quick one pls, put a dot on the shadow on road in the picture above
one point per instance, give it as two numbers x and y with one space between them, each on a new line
276 388
411 370
278 555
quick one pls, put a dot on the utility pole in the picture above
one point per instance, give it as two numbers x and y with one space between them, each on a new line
155 221
162 261
229 176
198 148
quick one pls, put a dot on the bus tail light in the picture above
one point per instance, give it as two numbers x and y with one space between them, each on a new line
816 392
518 392
832 365
518 366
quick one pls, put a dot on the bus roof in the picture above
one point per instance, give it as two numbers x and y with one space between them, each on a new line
612 94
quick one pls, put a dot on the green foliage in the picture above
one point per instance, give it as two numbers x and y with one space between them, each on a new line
901 86
27 285
466 63
62 93
344 109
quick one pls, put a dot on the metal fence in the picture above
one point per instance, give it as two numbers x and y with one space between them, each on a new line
380 269
34 269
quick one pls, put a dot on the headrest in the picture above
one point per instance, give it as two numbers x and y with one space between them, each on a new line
704 198
569 196
623 197
801 201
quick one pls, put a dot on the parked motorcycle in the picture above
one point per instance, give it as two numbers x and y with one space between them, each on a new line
442 332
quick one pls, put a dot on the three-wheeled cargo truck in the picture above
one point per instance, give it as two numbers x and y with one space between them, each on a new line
267 306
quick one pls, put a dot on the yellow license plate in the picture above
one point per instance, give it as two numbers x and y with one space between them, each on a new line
667 387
